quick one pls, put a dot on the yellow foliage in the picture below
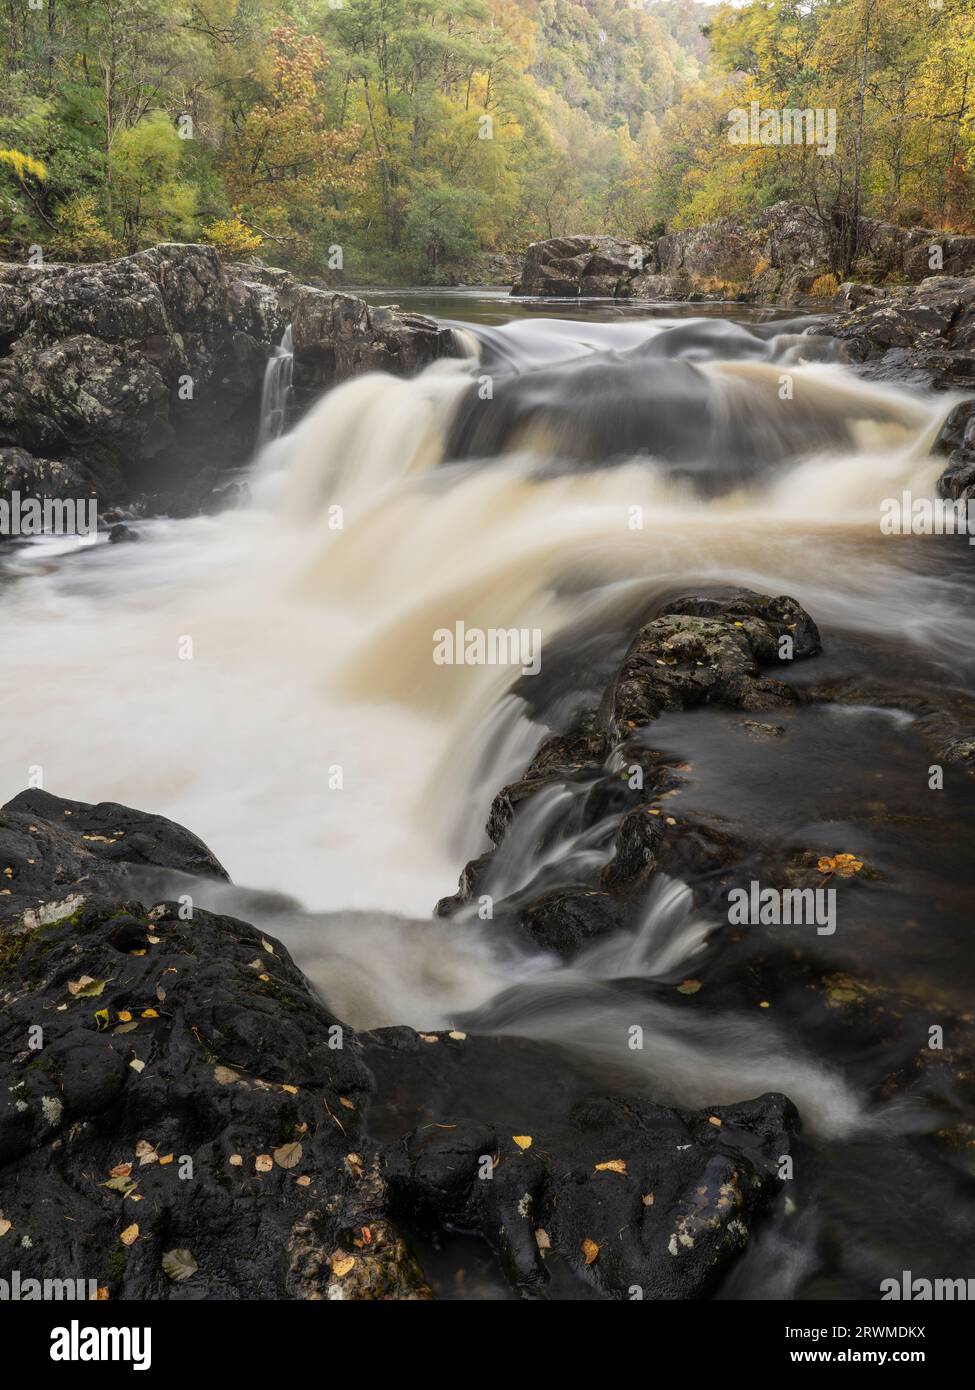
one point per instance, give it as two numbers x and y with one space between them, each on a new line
24 164
232 238
824 287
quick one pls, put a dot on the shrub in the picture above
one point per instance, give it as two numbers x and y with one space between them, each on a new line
232 238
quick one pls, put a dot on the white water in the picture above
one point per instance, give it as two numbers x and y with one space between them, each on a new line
312 650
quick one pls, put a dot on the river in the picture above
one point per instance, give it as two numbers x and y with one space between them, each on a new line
264 677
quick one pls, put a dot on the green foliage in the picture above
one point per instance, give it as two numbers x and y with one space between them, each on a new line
415 133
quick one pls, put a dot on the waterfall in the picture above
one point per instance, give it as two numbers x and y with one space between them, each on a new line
316 746
276 391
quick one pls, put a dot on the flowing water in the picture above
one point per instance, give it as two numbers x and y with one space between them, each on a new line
266 678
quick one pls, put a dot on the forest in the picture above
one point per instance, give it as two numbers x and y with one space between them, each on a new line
401 139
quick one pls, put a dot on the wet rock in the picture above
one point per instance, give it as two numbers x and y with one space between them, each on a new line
705 649
776 255
927 330
599 266
171 1082
147 371
122 534
337 336
671 1206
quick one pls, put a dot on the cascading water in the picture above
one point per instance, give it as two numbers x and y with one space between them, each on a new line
276 392
313 742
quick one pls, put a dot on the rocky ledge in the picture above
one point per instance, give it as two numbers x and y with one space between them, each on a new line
922 335
781 256
143 375
182 1117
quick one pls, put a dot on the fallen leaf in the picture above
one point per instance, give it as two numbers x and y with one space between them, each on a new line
524 1141
166 1158
146 1153
130 1235
86 987
288 1155
429 1037
235 1160
542 1239
121 1170
648 1199
291 1090
456 1035
303 1181
5 1225
590 1251
224 1076
612 1165
102 1293
124 1016
137 1065
267 946
264 1163
344 1100
123 1184
689 987
713 1120
149 1013
342 1264
101 1018
179 1265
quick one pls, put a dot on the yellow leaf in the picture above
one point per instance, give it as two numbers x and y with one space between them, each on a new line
166 1158
342 1264
149 1013
129 1235
713 1120
101 1018
612 1165
689 987
291 1090
590 1251
125 1016
524 1141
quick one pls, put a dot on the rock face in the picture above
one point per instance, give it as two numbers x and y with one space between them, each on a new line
923 334
180 1117
775 256
143 374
